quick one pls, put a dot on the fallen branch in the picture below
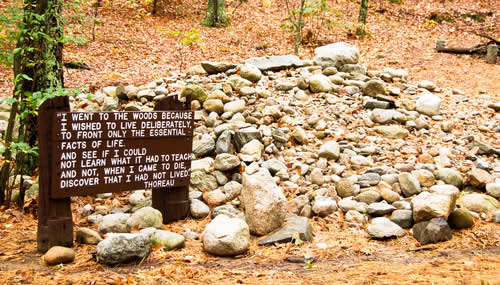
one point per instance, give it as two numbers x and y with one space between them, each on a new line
479 49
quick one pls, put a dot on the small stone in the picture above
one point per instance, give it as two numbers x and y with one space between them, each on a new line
479 203
428 104
374 87
409 184
294 228
122 248
319 83
393 131
380 209
353 216
198 209
300 135
235 106
404 218
196 92
426 84
214 198
114 223
479 178
250 72
330 150
59 254
167 239
344 188
87 236
145 218
324 206
224 162
493 189
368 197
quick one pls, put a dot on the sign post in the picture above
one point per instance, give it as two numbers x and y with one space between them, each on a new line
88 153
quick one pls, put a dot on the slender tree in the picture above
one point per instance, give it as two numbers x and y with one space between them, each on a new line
216 14
363 11
38 70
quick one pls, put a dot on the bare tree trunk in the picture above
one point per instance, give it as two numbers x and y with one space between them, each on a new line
299 27
216 14
363 11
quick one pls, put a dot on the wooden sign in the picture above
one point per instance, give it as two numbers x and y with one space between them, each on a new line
88 153
120 151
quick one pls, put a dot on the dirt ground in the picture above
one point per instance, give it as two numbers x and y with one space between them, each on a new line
132 47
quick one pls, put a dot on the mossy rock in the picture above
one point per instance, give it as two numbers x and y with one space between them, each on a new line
460 219
196 92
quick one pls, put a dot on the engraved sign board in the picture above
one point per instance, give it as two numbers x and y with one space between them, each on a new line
106 152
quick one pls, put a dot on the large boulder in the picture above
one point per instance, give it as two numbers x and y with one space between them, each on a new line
336 54
264 202
432 231
432 205
225 236
479 203
121 248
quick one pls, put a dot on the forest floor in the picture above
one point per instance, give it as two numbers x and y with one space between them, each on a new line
134 47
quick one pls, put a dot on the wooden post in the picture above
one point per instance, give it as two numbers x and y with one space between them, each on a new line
55 222
173 202
491 54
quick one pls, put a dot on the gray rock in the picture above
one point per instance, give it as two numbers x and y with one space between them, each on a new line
205 145
428 104
198 209
229 211
252 151
330 150
409 184
426 84
348 204
95 219
237 82
203 181
145 218
336 55
225 236
250 72
479 203
404 218
212 67
369 179
167 240
380 209
136 198
235 106
294 228
122 248
300 135
274 166
432 231
319 83
244 136
324 206
374 87
114 223
432 205
275 63
232 190
264 202
368 197
223 144
460 219
317 177
225 161
496 217
450 176
280 136
205 164
382 228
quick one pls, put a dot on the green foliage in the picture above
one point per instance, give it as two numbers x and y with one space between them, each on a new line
183 39
316 15
396 1
475 17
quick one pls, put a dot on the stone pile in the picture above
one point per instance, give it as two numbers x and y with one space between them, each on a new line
279 138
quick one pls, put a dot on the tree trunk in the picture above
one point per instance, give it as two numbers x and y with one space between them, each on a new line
44 64
299 27
216 14
363 11
37 69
